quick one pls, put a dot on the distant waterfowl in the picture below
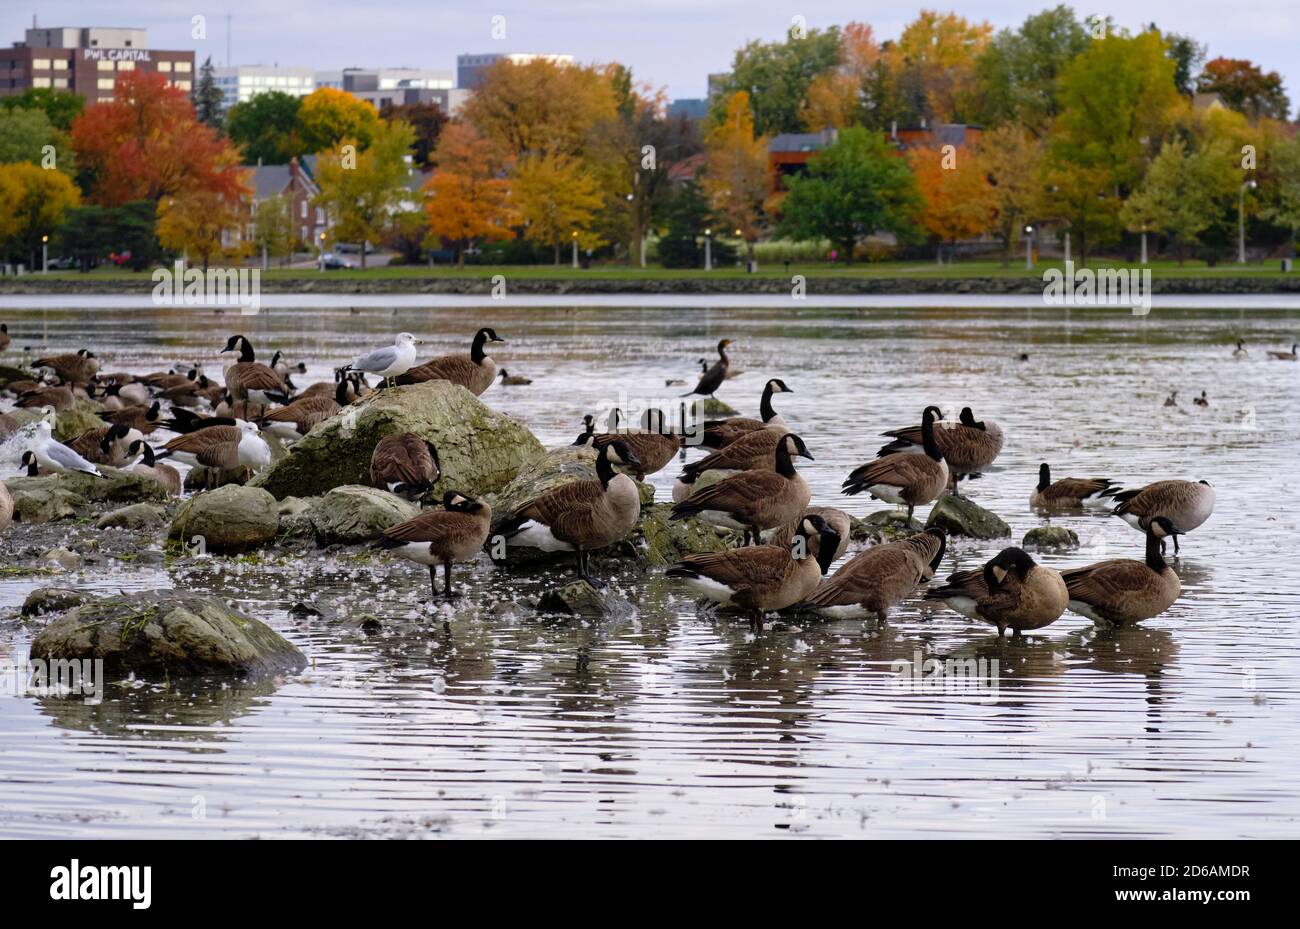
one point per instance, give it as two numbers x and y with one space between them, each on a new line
713 377
58 457
248 380
517 380
1010 591
156 470
453 534
1122 590
1202 400
752 501
60 398
1284 356
79 367
105 445
298 418
1172 399
221 447
875 580
968 446
653 444
475 371
1068 491
1186 504
904 478
390 361
581 516
761 578
405 464
143 419
1240 350
284 369
719 433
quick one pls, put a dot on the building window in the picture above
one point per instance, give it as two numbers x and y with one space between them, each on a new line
60 64
126 66
40 64
320 216
304 235
164 66
303 209
105 83
40 82
182 85
104 65
61 83
183 67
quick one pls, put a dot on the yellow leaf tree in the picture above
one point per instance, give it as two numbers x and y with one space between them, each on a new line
833 98
466 200
736 178
328 116
33 202
193 221
940 49
1012 160
558 199
958 200
361 191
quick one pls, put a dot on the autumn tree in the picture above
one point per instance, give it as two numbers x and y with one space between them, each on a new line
1018 73
328 116
558 199
194 221
426 119
736 177
33 203
957 200
940 50
775 78
1245 88
361 190
1012 160
266 129
466 199
1184 191
833 99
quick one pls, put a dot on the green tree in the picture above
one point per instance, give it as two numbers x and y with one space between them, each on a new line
266 129
207 96
1184 192
1282 188
60 106
1188 56
427 119
24 135
776 76
686 216
92 233
273 233
853 188
1018 73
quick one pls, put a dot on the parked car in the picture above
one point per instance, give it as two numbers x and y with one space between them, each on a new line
332 262
352 248
62 264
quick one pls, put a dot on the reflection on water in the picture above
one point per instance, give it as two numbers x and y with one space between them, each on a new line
485 720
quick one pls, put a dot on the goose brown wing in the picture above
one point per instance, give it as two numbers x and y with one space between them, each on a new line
968 583
402 459
304 409
900 469
719 433
253 375
891 566
569 510
459 369
752 566
211 446
739 490
435 526
749 451
653 450
1075 488
1107 581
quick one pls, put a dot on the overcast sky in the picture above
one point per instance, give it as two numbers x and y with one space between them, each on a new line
672 44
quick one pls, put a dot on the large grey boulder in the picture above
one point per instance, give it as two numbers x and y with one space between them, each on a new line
958 516
53 600
228 519
165 633
355 513
481 450
116 486
44 503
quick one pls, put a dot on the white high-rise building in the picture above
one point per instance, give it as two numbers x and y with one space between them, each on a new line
244 82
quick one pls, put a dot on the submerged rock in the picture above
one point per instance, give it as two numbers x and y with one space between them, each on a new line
959 516
355 513
53 600
884 526
577 598
712 408
135 516
481 450
1050 539
228 519
166 632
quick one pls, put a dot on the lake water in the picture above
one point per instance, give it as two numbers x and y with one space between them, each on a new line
483 720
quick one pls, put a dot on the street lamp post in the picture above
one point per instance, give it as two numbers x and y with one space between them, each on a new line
1241 221
575 248
45 254
320 251
708 249
1029 248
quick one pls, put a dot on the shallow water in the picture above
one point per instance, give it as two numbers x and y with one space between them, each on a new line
671 723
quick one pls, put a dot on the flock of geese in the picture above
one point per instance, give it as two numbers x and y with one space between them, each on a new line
747 480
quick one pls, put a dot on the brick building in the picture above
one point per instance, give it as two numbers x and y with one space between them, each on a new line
87 60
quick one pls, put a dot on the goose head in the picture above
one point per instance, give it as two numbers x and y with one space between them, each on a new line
794 445
459 503
28 462
1008 561
777 386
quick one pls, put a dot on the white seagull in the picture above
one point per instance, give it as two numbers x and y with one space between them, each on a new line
390 361
56 456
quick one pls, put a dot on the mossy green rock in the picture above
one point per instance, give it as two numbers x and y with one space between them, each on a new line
71 423
577 598
883 526
8 374
116 486
1050 539
712 408
958 516
44 504
228 519
481 450
53 600
165 633
355 513
658 540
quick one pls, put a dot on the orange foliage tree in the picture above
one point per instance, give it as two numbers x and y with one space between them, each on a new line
466 200
736 176
833 98
958 201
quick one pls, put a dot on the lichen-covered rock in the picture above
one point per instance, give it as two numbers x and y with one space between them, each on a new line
355 513
658 540
228 519
1050 539
295 516
166 633
71 423
116 486
53 600
577 598
958 516
883 525
134 516
481 450
44 504
712 408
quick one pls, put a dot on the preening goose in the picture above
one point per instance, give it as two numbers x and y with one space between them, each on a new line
79 367
150 467
761 578
405 464
475 371
1284 356
143 419
1123 590
905 478
107 445
1068 491
582 516
453 534
56 456
1011 590
390 361
294 421
876 579
713 377
1186 504
752 501
247 379
653 445
719 433
184 421
223 447
968 446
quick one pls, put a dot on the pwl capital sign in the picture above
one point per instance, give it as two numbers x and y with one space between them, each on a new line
116 54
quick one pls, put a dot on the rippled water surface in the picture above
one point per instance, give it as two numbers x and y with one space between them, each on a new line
487 721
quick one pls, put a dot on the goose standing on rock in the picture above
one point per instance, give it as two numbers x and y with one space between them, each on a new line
1123 590
387 362
653 445
582 516
453 534
56 456
294 421
475 371
79 367
1186 504
1068 491
107 445
968 446
904 478
405 464
221 447
878 578
247 379
752 501
719 433
1011 590
156 470
761 578
712 379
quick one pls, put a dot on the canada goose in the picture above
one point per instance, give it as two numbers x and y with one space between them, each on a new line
653 445
389 361
968 446
475 371
8 426
1123 590
583 515
184 421
755 450
150 467
4 336
60 398
455 533
31 467
1068 491
1186 504
588 435
836 519
903 477
752 501
874 580
517 380
1172 399
1284 356
713 377
762 577
222 447
405 464
184 391
248 380
56 456
163 380
22 385
1240 350
284 369
1202 400
295 420
1011 590
78 367
143 419
6 505
719 433
105 445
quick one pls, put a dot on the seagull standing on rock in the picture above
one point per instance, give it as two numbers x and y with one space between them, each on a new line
56 456
390 361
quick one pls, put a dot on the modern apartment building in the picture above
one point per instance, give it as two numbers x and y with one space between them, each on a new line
240 84
86 60
471 68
